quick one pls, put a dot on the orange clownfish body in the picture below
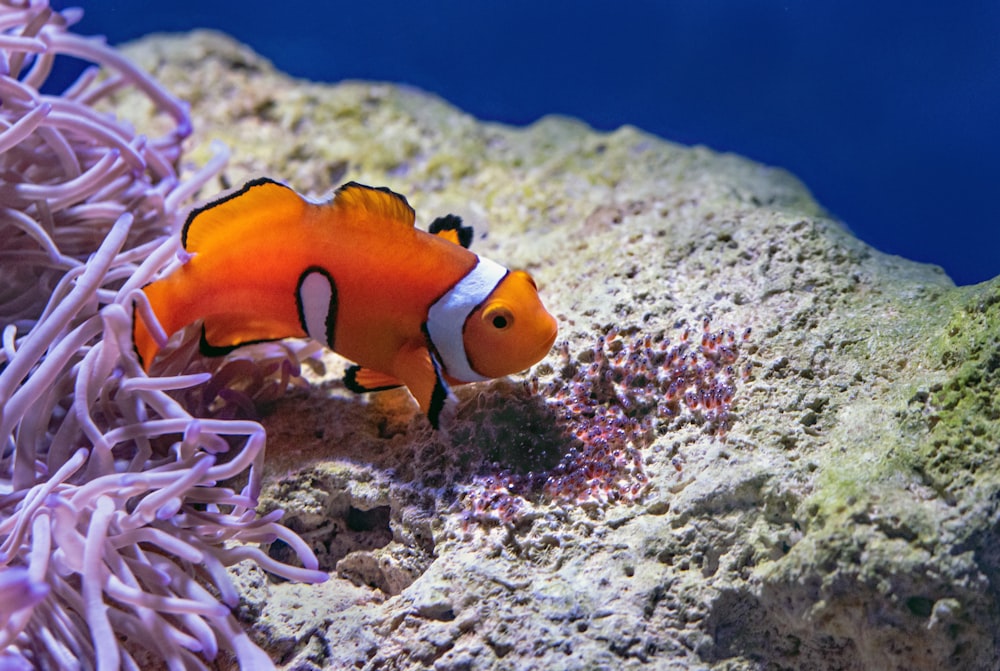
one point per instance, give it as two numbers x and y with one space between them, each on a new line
410 307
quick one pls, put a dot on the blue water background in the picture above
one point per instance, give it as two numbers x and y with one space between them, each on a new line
888 110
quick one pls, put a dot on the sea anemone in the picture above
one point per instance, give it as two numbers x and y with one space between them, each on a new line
120 506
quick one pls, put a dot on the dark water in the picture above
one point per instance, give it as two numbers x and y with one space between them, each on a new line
888 110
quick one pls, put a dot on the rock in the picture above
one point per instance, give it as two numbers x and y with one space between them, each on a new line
844 516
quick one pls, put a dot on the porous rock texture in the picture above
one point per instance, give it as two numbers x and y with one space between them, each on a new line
848 519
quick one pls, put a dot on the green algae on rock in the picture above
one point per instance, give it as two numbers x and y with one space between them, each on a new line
964 409
846 521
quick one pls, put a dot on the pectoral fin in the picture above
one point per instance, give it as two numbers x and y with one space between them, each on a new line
422 375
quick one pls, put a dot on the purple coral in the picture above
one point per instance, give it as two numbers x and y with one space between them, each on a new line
629 390
119 509
610 402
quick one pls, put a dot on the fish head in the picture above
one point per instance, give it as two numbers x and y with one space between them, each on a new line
511 330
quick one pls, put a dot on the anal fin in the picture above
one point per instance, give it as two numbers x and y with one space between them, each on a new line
363 380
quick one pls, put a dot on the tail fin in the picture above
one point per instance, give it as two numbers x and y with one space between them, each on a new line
148 338
143 343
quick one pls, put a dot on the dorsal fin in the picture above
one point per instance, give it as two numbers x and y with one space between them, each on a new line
450 228
374 203
259 200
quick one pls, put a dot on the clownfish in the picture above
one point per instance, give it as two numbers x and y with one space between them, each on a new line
408 307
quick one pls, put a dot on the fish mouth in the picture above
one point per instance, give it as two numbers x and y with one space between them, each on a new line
546 345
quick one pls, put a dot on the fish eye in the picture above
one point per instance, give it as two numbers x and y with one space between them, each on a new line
499 317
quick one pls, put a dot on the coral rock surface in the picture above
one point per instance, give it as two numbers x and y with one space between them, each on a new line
847 518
